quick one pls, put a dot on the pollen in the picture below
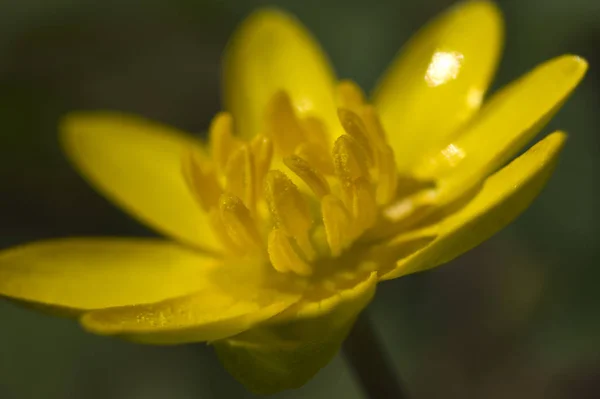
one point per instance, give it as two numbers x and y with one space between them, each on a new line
291 197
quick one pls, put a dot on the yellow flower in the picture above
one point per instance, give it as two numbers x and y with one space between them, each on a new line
304 197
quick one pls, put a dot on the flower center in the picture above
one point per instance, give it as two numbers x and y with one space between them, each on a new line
290 196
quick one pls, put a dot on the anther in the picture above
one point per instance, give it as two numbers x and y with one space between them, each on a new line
364 207
387 176
216 223
283 256
201 179
282 124
337 222
350 95
240 176
317 156
262 149
316 132
238 223
289 209
373 124
355 127
313 179
221 140
349 159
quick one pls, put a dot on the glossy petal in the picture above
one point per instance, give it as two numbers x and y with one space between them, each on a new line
272 358
439 79
272 51
503 197
508 121
213 313
81 274
137 163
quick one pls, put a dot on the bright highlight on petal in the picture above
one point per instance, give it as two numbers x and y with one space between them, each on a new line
438 81
506 123
503 197
444 67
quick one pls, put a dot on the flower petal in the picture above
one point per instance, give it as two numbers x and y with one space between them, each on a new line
504 196
237 298
439 79
508 121
276 357
137 163
82 274
272 51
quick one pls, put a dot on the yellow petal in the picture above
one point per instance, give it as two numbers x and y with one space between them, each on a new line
138 164
504 196
439 79
272 51
276 357
82 274
207 315
506 123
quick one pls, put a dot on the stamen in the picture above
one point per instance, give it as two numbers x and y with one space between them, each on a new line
282 124
201 180
262 149
221 140
238 223
308 174
385 171
240 177
337 222
350 95
349 159
364 207
373 124
315 131
387 176
355 127
216 223
352 181
289 209
316 156
283 256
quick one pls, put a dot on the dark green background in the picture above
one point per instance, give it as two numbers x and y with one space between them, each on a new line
516 318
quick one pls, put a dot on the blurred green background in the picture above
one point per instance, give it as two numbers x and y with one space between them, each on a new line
516 318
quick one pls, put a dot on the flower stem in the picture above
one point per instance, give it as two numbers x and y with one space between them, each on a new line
369 362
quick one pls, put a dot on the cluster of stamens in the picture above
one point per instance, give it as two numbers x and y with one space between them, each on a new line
288 195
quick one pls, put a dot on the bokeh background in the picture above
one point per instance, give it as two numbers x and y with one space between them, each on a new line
516 318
